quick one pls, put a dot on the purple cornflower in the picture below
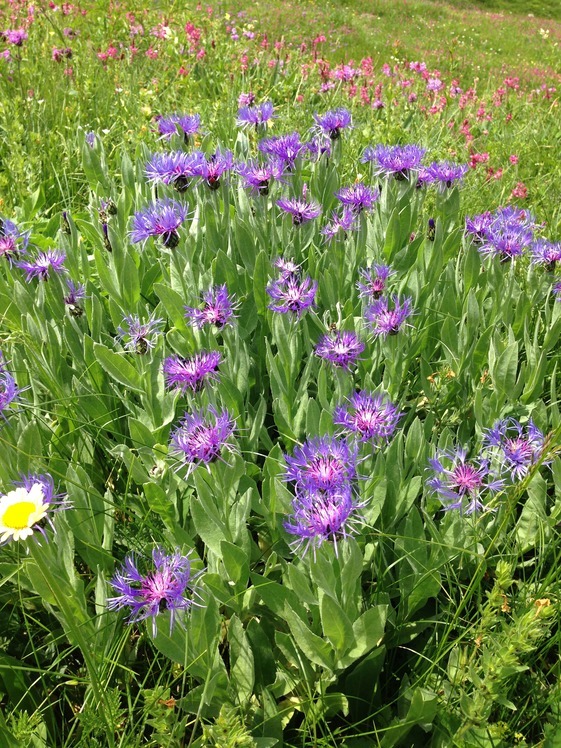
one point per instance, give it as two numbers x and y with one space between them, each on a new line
246 99
342 350
292 294
15 36
370 417
255 115
460 482
358 197
511 215
443 173
398 161
319 147
375 277
191 373
90 138
557 290
318 516
285 148
322 464
518 448
258 177
176 168
287 268
161 219
212 168
331 123
218 309
178 124
200 437
341 223
478 225
8 388
28 507
505 241
76 292
164 587
383 321
301 210
44 263
545 253
139 336
13 242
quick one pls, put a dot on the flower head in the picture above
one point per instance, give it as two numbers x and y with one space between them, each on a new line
139 336
341 223
255 115
358 197
176 168
382 320
8 390
478 225
200 438
191 373
218 309
375 277
285 148
13 242
174 124
517 448
292 294
341 349
505 241
15 36
258 177
444 173
212 168
301 210
161 219
23 509
76 292
52 260
545 253
322 464
398 161
287 268
370 417
164 587
331 123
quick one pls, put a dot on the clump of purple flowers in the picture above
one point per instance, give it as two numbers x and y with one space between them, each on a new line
358 197
258 177
200 438
333 122
139 336
255 115
375 278
301 210
322 464
50 261
218 309
341 349
516 447
160 219
505 234
177 168
382 320
185 124
167 586
445 174
284 148
370 417
13 242
397 161
191 373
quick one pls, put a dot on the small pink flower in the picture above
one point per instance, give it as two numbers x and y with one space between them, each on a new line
520 191
513 159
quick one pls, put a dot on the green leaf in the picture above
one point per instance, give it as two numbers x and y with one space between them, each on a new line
235 562
242 671
314 647
336 625
117 366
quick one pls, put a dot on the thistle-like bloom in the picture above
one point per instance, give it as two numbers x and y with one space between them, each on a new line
285 148
375 277
301 210
15 36
510 215
398 161
342 349
52 260
477 226
340 224
331 123
218 309
371 417
358 197
292 294
255 115
90 138
23 509
200 437
213 168
505 241
258 177
517 447
76 292
287 268
557 290
322 464
178 124
161 219
139 336
165 587
13 242
191 373
318 147
8 388
382 320
444 174
318 516
546 253
462 483
176 168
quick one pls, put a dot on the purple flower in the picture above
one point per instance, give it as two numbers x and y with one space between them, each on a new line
90 138
255 115
518 448
342 349
370 417
318 516
375 277
139 336
545 253
28 507
15 36
200 437
76 292
287 268
301 210
213 168
161 219
444 173
176 168
434 84
358 197
322 464
8 388
13 242
292 294
191 373
460 482
383 321
341 223
218 309
505 241
331 123
174 124
398 161
478 226
44 263
319 147
164 587
258 177
246 99
557 290
512 216
285 148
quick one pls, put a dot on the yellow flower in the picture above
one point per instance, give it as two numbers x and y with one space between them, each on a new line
20 510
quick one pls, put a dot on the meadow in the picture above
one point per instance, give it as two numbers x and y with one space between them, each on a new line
280 308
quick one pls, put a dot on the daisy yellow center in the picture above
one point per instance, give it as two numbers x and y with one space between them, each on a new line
16 516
